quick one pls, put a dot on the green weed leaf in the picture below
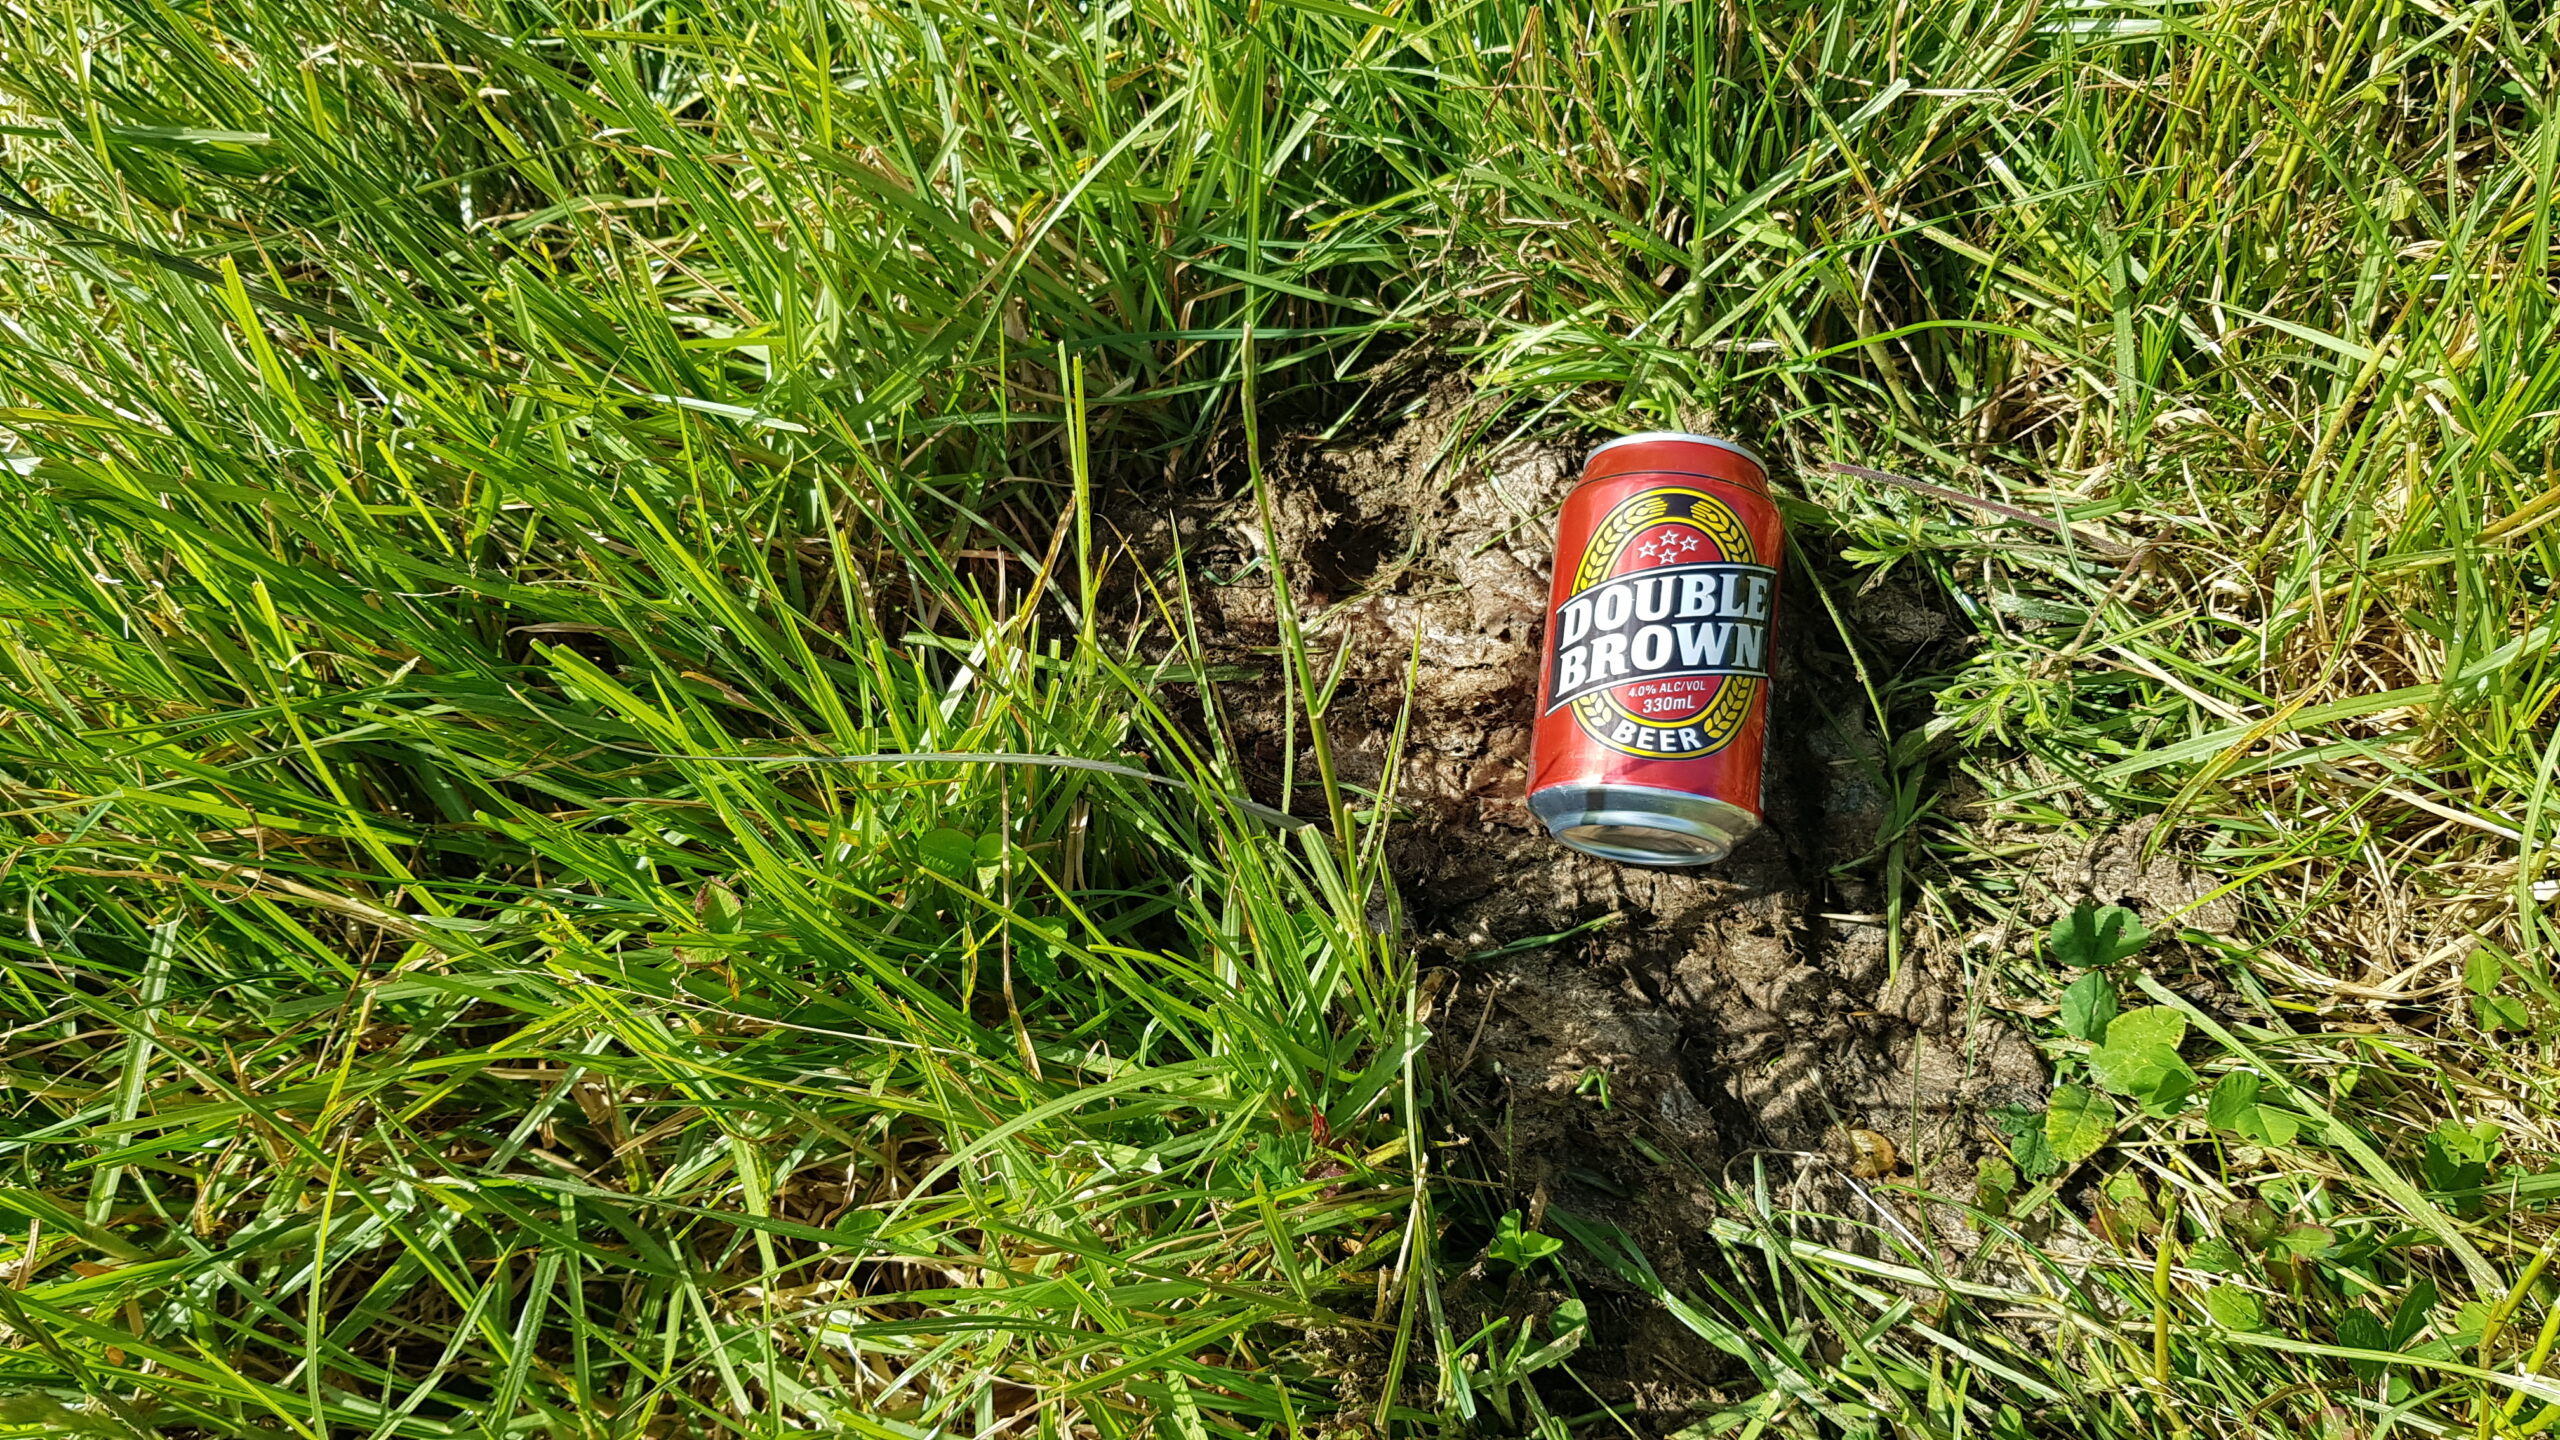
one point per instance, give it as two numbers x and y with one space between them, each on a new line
1519 1247
2078 1124
953 853
2094 936
1995 1183
2151 1076
2306 1241
721 910
2124 1208
2411 1317
2253 1222
2234 1107
2150 1025
2088 1006
2456 1156
2217 1257
2482 975
2139 1059
2234 1100
2500 1012
2482 972
2027 1144
2470 1320
2233 1308
2360 1331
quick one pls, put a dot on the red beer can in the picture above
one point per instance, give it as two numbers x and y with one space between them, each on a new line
1653 702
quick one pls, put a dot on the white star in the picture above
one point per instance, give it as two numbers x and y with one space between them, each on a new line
1647 550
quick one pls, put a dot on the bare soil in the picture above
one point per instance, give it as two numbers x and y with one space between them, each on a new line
1742 1018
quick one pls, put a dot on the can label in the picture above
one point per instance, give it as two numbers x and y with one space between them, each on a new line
1659 624
1662 642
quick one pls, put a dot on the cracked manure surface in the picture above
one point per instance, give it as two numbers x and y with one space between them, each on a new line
1743 1015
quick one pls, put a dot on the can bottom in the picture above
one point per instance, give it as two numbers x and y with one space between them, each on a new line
1642 825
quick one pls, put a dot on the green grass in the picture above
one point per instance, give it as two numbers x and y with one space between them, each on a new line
446 439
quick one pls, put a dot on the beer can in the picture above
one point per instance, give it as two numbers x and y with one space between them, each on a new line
1653 699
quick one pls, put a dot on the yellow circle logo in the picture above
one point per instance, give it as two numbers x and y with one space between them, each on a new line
1663 642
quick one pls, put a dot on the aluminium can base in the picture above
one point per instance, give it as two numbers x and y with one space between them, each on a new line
1642 825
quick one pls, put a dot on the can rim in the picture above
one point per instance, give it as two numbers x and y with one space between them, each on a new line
1713 824
1720 443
